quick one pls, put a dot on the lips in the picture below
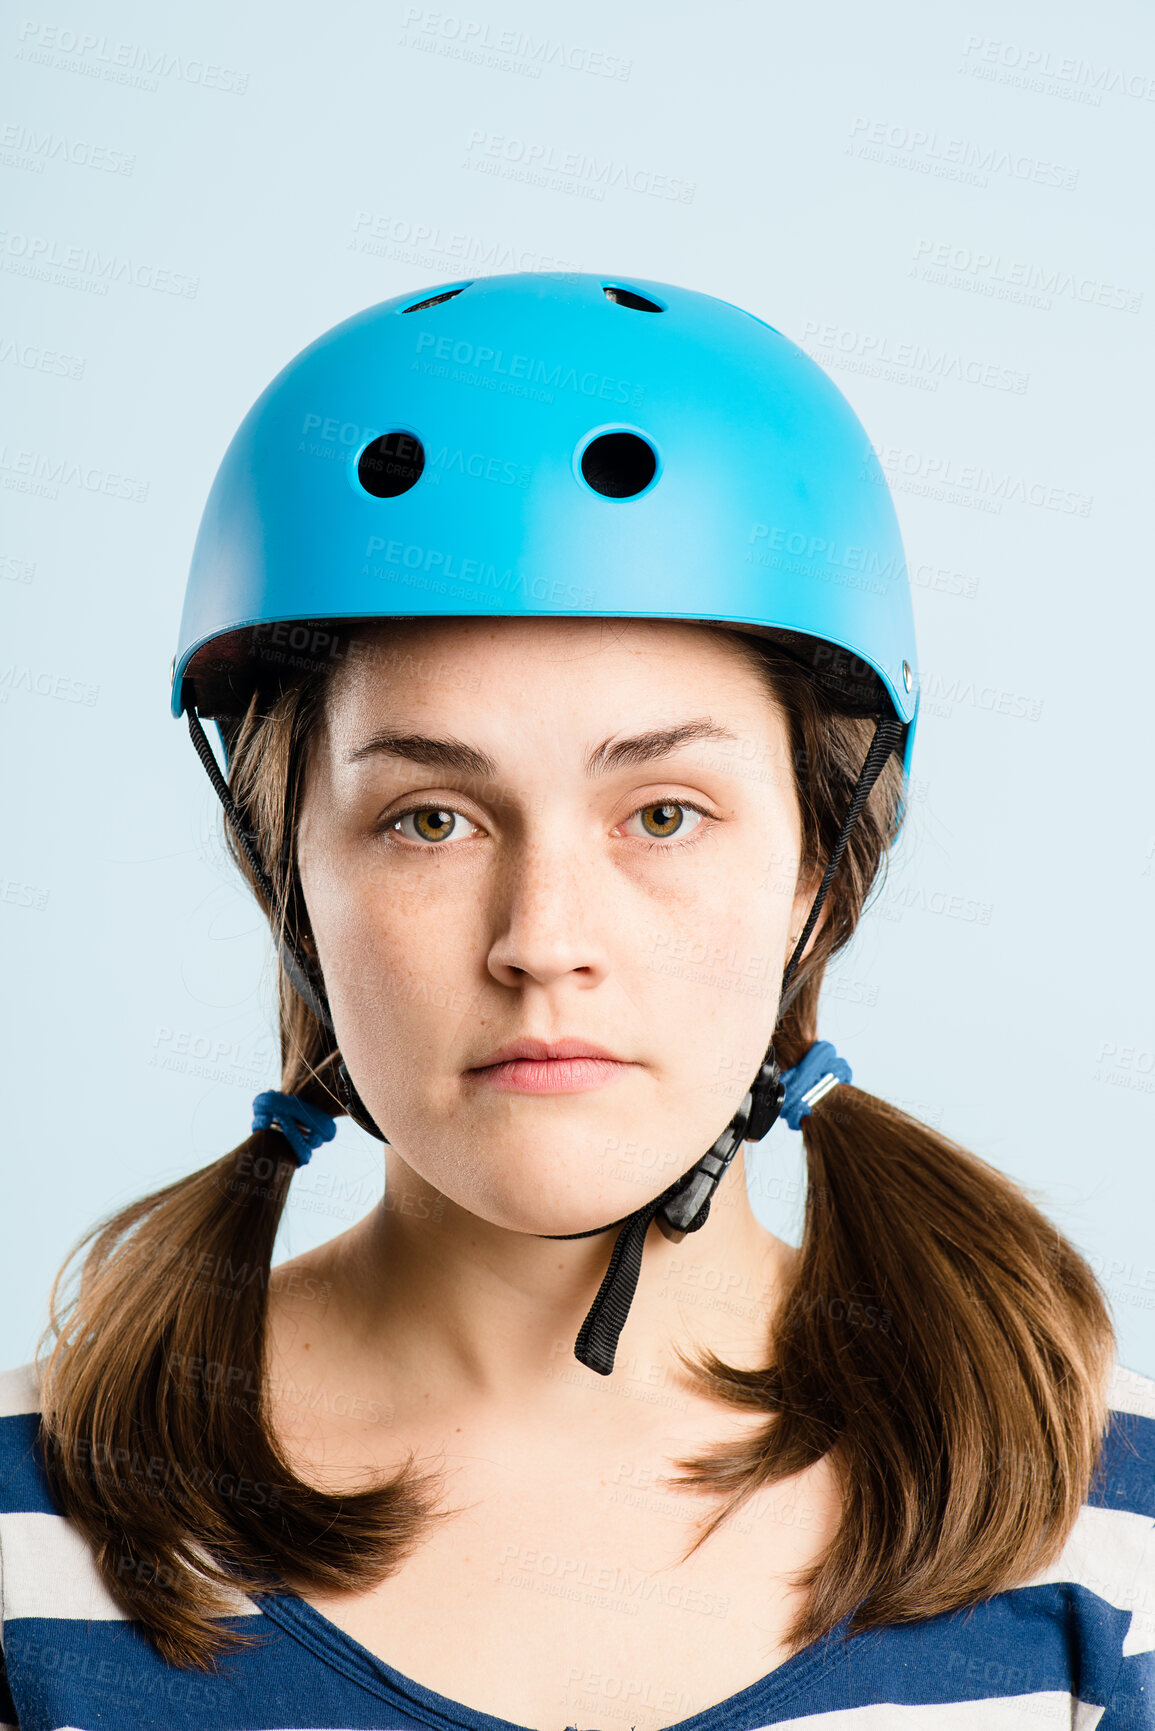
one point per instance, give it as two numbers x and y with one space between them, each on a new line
543 1050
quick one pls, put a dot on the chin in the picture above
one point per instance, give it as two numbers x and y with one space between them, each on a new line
532 1185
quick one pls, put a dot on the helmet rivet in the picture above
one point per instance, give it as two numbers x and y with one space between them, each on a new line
907 675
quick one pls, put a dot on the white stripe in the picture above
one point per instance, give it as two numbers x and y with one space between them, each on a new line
996 1713
19 1391
1130 1391
50 1571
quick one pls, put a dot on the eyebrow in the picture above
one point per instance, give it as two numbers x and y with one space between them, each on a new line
610 755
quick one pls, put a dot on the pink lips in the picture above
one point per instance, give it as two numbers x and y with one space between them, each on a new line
530 1066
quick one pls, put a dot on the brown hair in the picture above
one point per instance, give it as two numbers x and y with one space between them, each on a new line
942 1343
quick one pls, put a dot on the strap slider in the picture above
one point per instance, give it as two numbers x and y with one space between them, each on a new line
821 1087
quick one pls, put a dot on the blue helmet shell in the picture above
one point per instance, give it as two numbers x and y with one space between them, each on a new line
734 484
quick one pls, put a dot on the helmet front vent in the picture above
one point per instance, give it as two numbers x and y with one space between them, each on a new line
624 297
435 300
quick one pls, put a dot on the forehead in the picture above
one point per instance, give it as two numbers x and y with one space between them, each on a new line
543 663
547 700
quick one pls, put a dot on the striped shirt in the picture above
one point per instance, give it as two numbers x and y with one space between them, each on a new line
1073 1647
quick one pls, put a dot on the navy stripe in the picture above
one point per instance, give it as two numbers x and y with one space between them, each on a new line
23 1483
66 1671
1132 1706
1028 1640
755 1705
7 1705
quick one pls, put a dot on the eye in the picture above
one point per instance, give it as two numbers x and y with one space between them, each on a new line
665 819
430 824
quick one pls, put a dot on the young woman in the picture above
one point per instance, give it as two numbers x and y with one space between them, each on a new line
558 639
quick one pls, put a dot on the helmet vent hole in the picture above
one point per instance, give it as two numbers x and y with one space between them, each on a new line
625 297
435 300
391 465
618 465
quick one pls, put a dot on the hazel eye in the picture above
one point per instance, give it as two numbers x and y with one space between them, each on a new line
431 823
666 819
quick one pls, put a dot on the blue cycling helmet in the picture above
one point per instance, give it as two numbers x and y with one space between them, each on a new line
556 446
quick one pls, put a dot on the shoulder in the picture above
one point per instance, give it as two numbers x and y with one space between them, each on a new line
47 1568
1101 1588
1111 1548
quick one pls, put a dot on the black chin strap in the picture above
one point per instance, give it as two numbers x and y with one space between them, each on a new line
685 1204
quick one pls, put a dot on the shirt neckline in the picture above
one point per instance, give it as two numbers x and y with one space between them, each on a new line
339 1650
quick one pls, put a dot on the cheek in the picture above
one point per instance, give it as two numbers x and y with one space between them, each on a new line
718 978
401 964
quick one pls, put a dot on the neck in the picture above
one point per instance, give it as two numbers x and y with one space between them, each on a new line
426 1302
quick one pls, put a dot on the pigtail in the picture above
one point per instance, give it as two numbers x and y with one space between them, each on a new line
942 1343
156 1434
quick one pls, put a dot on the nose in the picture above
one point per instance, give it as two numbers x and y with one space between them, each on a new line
543 930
